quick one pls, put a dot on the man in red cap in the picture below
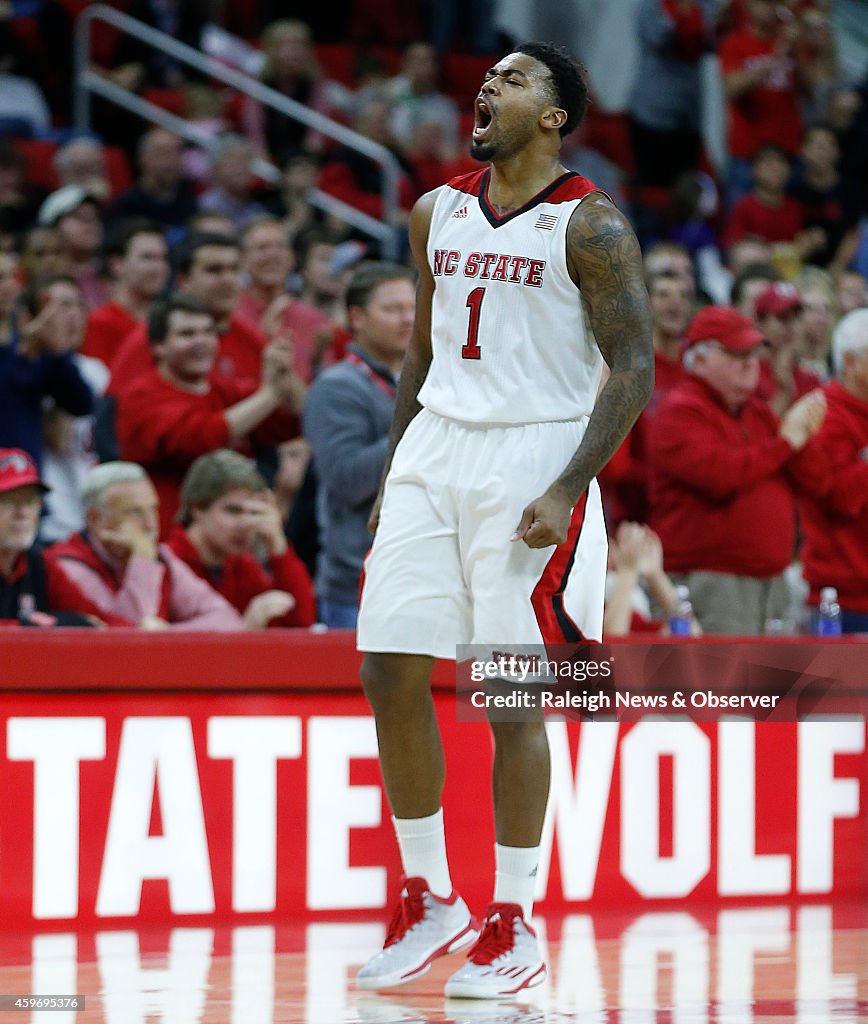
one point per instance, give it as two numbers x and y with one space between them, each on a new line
778 314
719 495
30 592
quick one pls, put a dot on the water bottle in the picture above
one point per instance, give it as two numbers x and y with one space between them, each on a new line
829 613
681 619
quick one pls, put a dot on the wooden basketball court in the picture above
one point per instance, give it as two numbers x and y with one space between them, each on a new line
747 965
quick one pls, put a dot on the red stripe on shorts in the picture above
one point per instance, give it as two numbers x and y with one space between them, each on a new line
547 597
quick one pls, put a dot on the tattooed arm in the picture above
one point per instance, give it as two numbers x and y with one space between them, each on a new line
605 262
418 359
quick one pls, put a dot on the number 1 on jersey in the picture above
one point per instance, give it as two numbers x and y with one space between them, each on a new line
474 303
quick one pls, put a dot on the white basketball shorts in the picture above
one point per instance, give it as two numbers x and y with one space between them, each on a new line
442 570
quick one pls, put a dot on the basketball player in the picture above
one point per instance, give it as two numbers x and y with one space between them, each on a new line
490 526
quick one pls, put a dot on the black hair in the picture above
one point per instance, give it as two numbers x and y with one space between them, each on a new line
178 302
569 85
754 272
197 242
119 239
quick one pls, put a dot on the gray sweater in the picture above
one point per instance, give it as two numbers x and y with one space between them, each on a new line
347 415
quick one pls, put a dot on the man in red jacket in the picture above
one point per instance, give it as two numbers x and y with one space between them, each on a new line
720 498
228 517
180 409
833 477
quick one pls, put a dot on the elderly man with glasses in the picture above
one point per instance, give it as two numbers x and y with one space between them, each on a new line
720 492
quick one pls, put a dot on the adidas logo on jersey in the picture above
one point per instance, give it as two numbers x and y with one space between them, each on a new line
460 213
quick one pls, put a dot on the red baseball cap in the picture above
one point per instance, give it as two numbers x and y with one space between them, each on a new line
778 299
17 469
726 326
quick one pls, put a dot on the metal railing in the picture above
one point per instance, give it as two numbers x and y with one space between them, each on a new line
89 83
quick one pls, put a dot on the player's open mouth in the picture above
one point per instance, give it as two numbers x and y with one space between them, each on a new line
483 117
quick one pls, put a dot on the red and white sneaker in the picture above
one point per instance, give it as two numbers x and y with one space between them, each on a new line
505 959
423 927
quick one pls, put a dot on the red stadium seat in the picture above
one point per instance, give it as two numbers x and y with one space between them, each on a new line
39 156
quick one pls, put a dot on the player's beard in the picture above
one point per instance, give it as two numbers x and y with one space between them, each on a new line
503 143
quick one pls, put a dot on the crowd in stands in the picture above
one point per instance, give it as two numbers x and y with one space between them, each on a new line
198 367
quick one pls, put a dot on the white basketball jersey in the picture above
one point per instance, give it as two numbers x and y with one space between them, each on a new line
510 339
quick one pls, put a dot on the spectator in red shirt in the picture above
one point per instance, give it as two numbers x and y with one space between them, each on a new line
768 212
228 517
764 67
181 409
833 480
720 500
778 314
123 569
138 260
210 271
265 304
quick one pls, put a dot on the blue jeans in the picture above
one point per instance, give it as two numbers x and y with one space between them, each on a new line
336 615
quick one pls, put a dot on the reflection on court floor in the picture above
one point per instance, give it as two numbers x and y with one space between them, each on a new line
759 965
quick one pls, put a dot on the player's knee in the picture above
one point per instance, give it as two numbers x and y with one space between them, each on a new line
390 680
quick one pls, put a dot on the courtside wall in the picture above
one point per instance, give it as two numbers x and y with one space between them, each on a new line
185 778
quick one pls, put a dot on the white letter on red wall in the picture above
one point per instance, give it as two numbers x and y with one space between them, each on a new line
822 797
740 870
333 808
55 746
577 806
156 750
254 745
641 863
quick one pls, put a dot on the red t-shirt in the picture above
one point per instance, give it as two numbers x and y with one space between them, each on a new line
239 355
773 223
166 429
767 113
107 328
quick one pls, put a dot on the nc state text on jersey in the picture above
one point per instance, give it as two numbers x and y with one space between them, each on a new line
490 266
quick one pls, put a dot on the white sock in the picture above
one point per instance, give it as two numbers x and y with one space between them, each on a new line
515 875
423 851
